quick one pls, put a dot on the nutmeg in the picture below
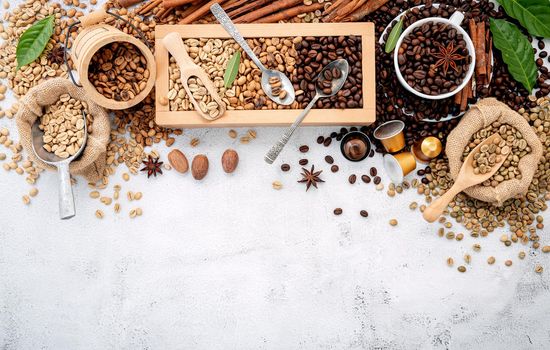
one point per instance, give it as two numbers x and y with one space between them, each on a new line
230 160
199 167
178 161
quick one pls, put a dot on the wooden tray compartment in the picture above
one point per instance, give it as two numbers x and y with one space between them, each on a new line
243 118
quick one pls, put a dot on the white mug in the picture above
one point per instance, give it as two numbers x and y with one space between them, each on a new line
454 22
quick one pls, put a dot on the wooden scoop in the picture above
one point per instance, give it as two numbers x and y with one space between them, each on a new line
188 69
466 178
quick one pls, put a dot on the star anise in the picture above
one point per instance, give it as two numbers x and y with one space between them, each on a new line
152 166
311 177
447 57
56 55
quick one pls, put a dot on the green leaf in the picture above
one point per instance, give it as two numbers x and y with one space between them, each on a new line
394 35
231 70
534 15
517 52
33 41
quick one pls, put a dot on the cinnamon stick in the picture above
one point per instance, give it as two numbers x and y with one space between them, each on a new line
289 13
128 3
349 8
335 5
148 7
465 94
489 59
267 10
481 61
243 9
365 10
201 11
175 3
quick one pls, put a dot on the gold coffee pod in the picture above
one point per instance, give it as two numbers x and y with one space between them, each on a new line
427 149
398 166
391 135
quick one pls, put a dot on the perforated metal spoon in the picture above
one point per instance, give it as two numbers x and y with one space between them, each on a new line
66 199
342 66
230 28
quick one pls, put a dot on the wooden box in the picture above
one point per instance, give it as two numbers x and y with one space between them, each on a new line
242 118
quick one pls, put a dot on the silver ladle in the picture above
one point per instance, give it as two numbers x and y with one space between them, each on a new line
342 66
230 28
66 199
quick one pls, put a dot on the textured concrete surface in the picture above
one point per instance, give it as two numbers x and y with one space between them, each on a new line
230 263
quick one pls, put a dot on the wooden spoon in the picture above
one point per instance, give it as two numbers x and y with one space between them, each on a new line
188 68
466 178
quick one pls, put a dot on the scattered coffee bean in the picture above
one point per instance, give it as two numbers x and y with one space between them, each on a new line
364 213
320 140
461 268
373 171
393 222
327 142
539 269
338 211
333 134
304 148
334 168
377 180
303 162
491 260
450 262
508 263
329 159
366 179
285 167
352 178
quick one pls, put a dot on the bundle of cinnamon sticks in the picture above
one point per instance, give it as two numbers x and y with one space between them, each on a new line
483 44
351 10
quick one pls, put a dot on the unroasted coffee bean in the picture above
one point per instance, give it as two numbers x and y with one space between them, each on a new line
327 142
329 159
338 211
364 213
304 148
334 168
303 162
366 179
373 171
377 180
285 167
320 140
352 178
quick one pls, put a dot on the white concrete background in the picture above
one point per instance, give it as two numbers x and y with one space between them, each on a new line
230 263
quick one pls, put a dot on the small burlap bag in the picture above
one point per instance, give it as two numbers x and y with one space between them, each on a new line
91 163
479 116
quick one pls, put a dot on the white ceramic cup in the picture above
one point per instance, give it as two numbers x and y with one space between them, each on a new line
454 22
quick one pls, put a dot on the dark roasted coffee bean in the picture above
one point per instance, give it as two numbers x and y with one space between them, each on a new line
353 129
327 142
320 140
352 178
377 180
364 213
334 168
343 131
420 172
339 137
329 159
285 167
371 154
338 211
303 162
304 148
366 179
333 134
373 171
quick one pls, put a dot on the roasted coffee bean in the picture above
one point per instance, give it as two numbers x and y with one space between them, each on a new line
373 171
285 167
364 213
333 134
377 180
339 137
304 148
334 168
329 159
327 142
303 162
320 140
343 131
366 179
338 211
352 178
371 153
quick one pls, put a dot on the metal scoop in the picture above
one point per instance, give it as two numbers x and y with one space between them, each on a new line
466 178
341 66
66 199
286 85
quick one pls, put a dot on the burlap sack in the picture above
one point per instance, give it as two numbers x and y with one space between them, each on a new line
92 162
482 114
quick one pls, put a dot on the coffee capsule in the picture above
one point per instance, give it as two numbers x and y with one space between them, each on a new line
355 146
399 165
426 149
391 135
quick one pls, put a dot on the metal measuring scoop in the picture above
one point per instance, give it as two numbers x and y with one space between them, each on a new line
286 85
337 83
66 199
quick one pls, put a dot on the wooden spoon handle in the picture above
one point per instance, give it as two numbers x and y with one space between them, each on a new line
437 207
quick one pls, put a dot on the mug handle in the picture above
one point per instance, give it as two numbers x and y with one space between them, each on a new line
457 18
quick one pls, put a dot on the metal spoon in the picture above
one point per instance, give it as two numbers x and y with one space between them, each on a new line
340 64
230 28
66 199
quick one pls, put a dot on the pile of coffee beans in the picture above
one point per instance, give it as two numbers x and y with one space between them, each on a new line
314 53
326 81
433 58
